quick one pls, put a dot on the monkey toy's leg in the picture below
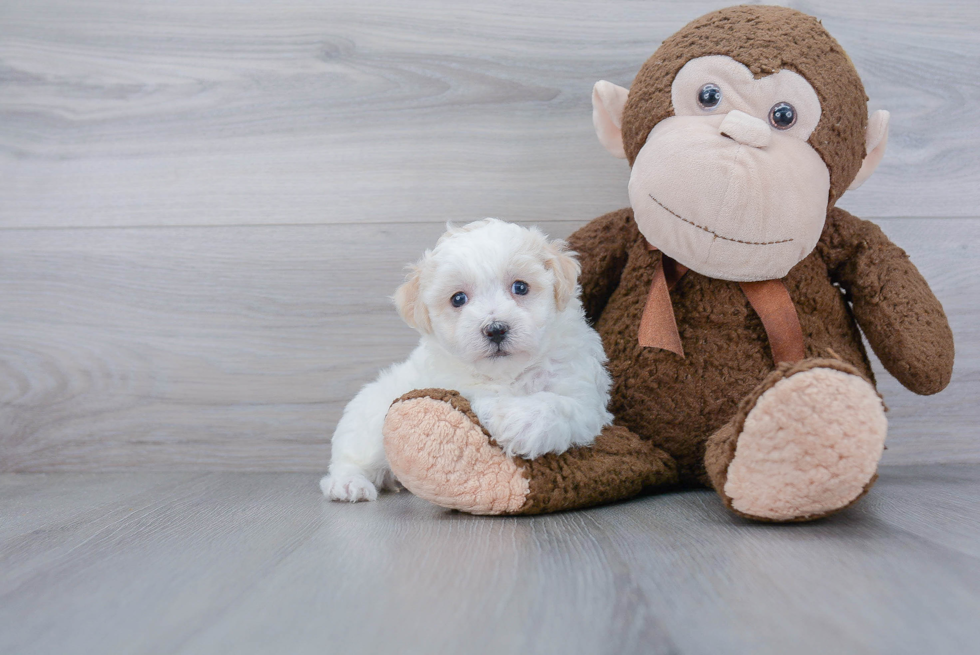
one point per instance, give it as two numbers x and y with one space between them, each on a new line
804 444
439 451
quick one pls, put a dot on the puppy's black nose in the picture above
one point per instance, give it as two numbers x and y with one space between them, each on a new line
496 332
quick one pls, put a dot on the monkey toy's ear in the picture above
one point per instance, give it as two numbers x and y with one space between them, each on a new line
876 138
608 101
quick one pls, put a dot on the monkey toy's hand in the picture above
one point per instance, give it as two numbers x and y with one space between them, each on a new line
902 318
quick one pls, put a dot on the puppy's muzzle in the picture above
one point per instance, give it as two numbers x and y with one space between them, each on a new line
496 332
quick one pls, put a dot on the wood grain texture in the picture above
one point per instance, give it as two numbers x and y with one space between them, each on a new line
119 113
237 347
260 563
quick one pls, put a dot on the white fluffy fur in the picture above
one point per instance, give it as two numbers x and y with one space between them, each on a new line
545 389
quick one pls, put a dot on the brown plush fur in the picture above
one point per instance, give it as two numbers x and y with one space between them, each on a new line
891 301
618 465
766 40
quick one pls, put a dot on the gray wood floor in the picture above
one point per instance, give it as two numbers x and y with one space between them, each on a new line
260 563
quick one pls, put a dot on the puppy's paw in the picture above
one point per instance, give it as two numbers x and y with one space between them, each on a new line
524 428
351 488
525 439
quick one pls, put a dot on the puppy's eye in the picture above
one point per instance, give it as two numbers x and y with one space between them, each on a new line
520 288
459 299
782 116
709 96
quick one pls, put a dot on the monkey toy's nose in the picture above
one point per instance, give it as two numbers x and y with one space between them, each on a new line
496 332
745 129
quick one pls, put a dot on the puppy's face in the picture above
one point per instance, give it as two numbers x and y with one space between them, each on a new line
488 292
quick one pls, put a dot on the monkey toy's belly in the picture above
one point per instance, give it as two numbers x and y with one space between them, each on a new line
678 402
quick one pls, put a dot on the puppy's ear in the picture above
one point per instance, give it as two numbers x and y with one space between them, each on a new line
565 266
408 300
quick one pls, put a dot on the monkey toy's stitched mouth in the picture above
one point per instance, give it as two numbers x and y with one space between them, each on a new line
712 232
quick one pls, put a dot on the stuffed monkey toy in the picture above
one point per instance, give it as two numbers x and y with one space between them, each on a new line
729 296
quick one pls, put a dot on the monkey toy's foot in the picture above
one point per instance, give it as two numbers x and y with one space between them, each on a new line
805 444
439 451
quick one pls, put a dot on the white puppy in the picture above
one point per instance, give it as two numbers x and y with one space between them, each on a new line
501 322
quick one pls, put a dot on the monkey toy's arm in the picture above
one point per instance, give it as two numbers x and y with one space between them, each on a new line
897 311
602 246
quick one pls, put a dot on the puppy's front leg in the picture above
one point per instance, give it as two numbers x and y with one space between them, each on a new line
539 423
357 459
358 467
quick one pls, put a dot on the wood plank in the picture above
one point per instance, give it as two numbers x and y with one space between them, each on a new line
34 502
259 563
199 113
237 348
191 347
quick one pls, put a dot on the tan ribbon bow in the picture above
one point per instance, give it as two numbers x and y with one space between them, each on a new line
769 298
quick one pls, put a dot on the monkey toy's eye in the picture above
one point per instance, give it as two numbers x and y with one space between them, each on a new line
459 299
782 116
709 96
520 288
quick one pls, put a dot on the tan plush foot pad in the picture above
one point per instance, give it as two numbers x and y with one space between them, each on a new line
809 446
438 451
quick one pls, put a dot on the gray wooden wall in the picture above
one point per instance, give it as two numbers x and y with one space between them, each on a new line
205 204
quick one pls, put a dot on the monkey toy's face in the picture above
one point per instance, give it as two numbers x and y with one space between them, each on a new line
729 185
726 174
